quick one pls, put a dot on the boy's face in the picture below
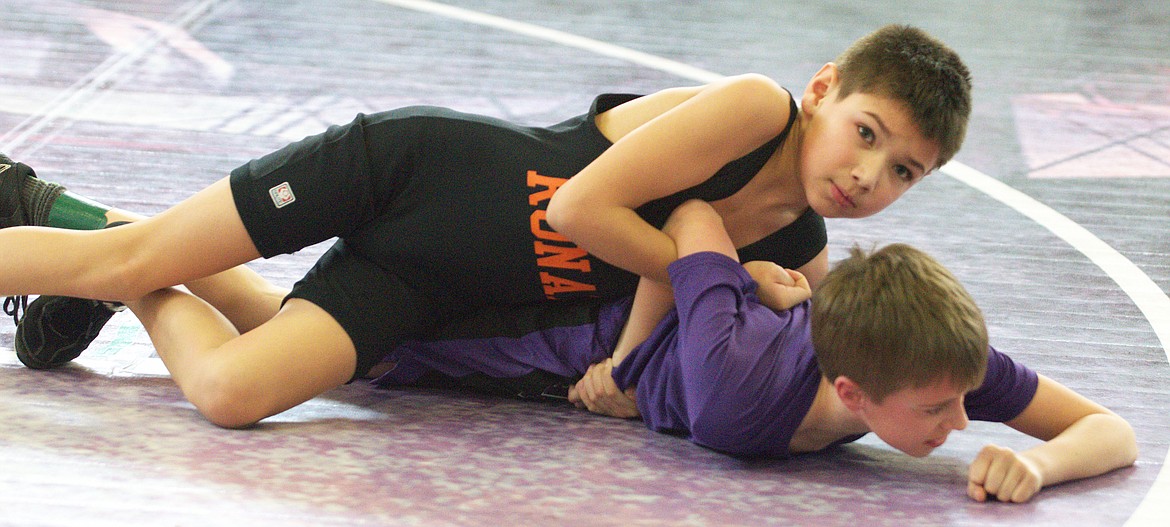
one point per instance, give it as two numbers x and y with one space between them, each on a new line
861 153
916 420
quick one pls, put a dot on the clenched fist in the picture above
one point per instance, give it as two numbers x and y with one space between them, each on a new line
1003 474
779 288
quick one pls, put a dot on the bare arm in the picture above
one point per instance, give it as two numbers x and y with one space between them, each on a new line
652 301
676 150
693 227
1081 439
597 391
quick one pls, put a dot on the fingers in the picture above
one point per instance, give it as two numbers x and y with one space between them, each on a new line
587 389
601 380
977 475
598 393
1011 482
801 291
1004 474
798 279
783 277
574 396
594 388
976 492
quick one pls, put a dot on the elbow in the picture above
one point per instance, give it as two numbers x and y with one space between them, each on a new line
562 215
1113 430
555 214
574 215
1130 448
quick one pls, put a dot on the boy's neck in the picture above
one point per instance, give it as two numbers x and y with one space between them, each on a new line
827 421
786 166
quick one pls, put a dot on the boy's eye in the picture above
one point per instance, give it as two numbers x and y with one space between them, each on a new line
904 173
936 410
865 133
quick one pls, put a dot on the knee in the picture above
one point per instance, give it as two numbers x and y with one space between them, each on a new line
228 400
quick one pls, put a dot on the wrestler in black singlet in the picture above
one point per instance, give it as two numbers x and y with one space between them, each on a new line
440 212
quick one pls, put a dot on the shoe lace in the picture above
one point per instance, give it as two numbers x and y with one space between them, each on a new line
13 305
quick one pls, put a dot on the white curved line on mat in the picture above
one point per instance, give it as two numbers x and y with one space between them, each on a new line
1148 297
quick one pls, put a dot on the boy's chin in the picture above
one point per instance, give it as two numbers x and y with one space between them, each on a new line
919 451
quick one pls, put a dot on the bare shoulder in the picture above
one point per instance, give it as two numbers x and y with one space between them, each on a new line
751 98
753 89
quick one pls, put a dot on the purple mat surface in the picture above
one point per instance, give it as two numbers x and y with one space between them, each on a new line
141 103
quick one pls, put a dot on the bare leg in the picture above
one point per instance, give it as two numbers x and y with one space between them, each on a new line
234 380
197 238
242 295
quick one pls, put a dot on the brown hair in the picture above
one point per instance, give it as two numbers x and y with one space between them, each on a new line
907 65
896 319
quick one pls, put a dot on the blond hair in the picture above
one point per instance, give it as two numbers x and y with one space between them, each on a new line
896 319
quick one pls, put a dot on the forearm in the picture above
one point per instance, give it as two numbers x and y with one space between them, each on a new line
652 302
693 227
1094 445
618 236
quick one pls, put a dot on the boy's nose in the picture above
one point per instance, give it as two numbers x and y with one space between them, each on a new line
959 420
866 172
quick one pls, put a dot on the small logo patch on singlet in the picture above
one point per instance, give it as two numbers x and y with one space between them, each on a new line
282 195
4 167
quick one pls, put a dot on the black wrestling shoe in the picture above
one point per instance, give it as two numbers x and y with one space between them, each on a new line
22 204
56 329
24 199
12 176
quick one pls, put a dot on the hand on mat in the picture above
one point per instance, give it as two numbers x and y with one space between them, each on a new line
779 288
1003 474
598 392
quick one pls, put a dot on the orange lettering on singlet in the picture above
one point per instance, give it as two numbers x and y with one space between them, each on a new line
551 184
555 285
562 257
565 254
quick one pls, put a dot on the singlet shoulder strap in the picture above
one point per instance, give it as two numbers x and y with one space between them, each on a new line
792 246
608 101
727 181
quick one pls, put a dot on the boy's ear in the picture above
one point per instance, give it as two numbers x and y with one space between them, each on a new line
849 392
819 87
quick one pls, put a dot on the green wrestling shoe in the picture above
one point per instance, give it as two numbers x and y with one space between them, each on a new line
56 329
53 329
